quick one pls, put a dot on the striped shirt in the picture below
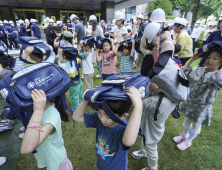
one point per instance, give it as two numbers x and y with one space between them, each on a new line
125 64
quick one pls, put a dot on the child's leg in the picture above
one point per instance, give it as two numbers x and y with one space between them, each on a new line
80 92
195 130
152 154
74 96
186 126
91 80
86 81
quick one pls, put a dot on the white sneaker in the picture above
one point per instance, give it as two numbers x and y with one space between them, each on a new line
82 77
179 139
183 145
138 154
98 76
2 160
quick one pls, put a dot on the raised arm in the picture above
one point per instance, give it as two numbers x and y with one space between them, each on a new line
132 50
78 115
98 57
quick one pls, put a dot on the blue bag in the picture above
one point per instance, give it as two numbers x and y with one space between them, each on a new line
87 39
3 48
114 88
99 42
7 112
36 43
48 77
126 43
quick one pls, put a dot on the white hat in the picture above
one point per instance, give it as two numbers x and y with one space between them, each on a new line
158 15
213 23
21 21
181 21
102 21
72 17
26 20
151 31
32 20
47 18
5 22
92 18
140 16
51 20
119 16
11 22
114 21
198 22
59 22
1 22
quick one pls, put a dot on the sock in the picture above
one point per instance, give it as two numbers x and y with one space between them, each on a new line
192 136
186 131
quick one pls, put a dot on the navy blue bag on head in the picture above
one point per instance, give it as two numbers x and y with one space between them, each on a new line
99 42
126 43
50 78
3 48
87 39
36 43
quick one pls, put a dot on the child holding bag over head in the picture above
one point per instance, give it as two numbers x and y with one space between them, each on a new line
44 133
205 83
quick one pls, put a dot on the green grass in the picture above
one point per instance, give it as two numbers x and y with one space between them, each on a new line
205 153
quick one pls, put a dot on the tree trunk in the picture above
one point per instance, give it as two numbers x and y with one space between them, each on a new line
206 20
194 11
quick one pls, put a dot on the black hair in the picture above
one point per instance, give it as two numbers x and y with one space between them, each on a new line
119 107
90 44
179 26
218 52
6 60
60 107
68 55
94 24
177 48
150 13
37 55
123 22
127 48
58 28
69 39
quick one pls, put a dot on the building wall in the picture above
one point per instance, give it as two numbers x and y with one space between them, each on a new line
7 13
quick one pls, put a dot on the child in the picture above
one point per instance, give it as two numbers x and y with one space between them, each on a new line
70 65
107 58
113 140
126 58
176 57
153 130
44 133
205 82
87 66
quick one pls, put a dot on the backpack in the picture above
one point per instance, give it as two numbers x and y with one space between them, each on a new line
170 79
48 77
7 112
114 88
3 48
127 43
36 43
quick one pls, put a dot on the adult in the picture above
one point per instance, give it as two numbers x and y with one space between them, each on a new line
196 34
114 27
22 30
109 26
49 29
11 35
72 23
158 16
187 28
35 30
122 33
2 32
57 32
103 25
28 27
5 24
137 26
183 39
215 36
17 27
70 26
96 31
79 29
208 31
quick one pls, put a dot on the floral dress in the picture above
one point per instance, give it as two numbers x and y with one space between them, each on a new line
204 87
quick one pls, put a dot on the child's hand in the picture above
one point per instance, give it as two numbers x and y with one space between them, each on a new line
60 51
153 87
195 56
134 95
28 50
133 42
39 100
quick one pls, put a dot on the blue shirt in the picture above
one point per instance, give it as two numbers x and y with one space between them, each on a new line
3 30
73 25
214 36
110 151
10 30
188 30
23 31
115 29
35 28
109 27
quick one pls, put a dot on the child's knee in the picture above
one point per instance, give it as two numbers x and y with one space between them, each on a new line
187 122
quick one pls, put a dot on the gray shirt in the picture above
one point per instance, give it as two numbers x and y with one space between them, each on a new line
80 31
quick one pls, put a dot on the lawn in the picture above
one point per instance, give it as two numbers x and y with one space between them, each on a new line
205 153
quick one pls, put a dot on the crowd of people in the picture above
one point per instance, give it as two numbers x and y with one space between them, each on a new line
115 48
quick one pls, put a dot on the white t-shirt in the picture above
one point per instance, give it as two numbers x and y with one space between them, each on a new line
87 66
120 33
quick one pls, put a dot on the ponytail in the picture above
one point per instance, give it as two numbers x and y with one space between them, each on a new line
60 107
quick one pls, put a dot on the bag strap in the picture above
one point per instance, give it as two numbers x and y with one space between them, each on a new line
118 32
183 80
158 106
65 105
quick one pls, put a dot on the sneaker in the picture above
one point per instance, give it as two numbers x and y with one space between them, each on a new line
138 154
183 145
2 160
179 139
21 136
82 77
98 76
22 129
146 168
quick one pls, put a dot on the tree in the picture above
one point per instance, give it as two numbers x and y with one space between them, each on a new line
151 6
166 5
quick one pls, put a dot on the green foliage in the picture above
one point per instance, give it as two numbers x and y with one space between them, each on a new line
151 6
170 17
200 40
166 5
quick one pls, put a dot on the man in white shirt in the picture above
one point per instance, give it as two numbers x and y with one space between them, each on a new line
196 34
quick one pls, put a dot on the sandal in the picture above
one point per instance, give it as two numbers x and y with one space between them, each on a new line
5 127
6 122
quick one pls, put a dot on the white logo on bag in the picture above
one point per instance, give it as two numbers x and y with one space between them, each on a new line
124 76
39 81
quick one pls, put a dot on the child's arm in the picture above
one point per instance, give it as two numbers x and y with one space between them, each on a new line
78 115
115 50
193 58
98 57
113 47
132 50
34 138
59 53
133 125
55 42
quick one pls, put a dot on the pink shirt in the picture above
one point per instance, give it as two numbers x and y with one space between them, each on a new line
108 63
